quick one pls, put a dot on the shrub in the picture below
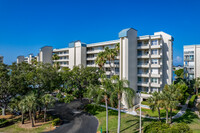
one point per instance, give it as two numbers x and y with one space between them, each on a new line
159 127
181 128
56 122
191 102
3 122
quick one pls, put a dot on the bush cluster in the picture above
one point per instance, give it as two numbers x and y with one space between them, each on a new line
160 127
191 102
56 122
3 123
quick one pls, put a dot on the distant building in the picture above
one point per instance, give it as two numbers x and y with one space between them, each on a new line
45 56
192 60
1 59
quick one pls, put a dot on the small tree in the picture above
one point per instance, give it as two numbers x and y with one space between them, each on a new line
197 85
47 101
155 102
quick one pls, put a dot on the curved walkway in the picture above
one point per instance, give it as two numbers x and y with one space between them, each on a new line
179 114
74 119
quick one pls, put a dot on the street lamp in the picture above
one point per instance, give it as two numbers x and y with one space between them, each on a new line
140 114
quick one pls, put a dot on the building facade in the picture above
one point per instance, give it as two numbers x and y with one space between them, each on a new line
45 56
192 61
145 61
1 59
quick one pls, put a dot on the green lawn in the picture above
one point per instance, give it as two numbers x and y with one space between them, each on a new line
191 119
129 123
149 112
16 129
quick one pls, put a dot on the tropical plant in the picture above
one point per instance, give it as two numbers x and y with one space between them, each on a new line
170 98
47 101
197 85
55 59
121 86
155 102
101 60
103 92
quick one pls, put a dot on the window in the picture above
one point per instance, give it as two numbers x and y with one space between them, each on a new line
65 52
65 63
116 62
117 70
154 42
60 58
139 43
139 52
139 71
154 52
154 71
65 57
139 79
154 61
154 80
153 89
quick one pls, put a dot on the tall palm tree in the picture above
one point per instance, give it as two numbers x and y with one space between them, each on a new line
121 87
55 57
197 85
100 60
155 102
23 108
103 92
48 101
170 97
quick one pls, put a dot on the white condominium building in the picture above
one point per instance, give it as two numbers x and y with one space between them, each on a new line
45 56
146 61
192 60
1 59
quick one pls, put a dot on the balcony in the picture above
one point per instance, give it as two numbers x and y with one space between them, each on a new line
94 51
145 65
158 46
155 84
188 59
143 55
145 46
91 65
156 75
91 58
145 84
155 65
156 55
143 74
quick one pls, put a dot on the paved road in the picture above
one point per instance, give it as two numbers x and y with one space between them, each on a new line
75 120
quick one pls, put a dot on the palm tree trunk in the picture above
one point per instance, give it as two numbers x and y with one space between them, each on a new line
106 101
4 110
119 113
166 115
197 91
158 113
22 118
170 115
34 116
45 111
31 119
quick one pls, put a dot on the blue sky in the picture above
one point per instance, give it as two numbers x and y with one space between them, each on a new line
27 25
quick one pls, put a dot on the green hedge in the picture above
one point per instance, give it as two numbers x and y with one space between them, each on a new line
160 127
191 102
56 122
3 122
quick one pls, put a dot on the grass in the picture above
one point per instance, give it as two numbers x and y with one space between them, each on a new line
15 126
145 103
129 123
191 119
149 112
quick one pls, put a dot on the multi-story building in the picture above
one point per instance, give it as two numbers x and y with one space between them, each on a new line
1 59
192 61
145 61
45 56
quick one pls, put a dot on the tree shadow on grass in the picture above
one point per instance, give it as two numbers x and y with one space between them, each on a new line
188 117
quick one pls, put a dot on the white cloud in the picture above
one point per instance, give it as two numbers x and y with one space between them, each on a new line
178 60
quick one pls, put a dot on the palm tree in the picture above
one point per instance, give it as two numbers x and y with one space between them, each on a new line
170 97
34 61
23 108
121 87
197 85
98 93
48 101
31 101
101 60
155 102
55 57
